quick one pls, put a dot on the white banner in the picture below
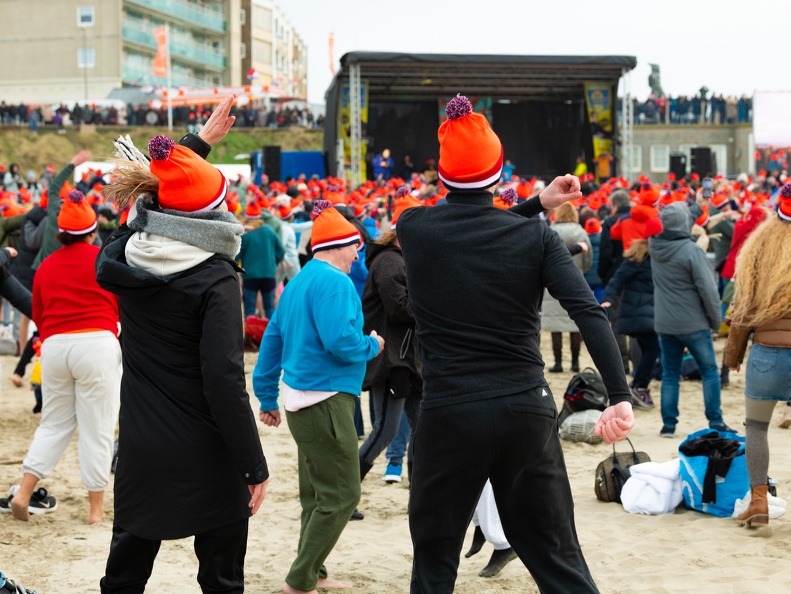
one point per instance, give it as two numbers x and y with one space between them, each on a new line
772 118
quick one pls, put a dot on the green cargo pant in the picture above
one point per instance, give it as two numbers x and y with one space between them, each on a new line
329 482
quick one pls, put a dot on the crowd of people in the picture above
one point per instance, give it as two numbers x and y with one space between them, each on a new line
359 291
695 109
110 113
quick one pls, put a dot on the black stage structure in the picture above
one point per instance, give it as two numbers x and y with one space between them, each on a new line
537 105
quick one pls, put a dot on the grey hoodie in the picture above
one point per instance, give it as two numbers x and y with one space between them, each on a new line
685 292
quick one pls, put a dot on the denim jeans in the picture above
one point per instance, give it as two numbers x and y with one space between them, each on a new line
250 290
396 450
701 347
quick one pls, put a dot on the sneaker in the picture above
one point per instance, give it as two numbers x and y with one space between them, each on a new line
357 515
667 432
392 474
41 502
722 427
641 398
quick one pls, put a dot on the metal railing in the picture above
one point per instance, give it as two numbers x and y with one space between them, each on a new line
186 11
134 31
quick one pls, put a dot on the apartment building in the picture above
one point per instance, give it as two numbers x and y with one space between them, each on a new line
78 50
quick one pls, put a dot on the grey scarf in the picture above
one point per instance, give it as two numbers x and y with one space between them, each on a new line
215 231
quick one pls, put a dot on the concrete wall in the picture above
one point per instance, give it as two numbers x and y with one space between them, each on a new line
735 138
39 41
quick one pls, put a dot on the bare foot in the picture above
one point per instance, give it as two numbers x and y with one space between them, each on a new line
19 508
289 590
17 380
97 506
95 517
331 583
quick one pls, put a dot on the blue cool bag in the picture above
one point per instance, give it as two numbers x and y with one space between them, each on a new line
705 490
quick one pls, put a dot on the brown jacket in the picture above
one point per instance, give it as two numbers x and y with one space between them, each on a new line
774 334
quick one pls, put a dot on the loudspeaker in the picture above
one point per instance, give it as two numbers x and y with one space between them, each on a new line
678 165
703 162
272 166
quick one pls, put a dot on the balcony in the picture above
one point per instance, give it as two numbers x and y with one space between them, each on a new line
185 11
181 47
137 75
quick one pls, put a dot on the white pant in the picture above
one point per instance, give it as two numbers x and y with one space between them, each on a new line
487 517
81 387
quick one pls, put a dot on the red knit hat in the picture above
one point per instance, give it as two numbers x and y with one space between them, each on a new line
76 216
784 203
718 199
253 211
703 219
404 200
593 226
187 183
470 153
330 229
43 201
653 226
649 194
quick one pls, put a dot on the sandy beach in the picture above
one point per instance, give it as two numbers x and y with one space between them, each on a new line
683 552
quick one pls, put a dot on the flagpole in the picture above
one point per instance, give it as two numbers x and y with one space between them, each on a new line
169 83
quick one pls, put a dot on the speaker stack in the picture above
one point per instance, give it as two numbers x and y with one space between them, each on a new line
704 162
678 165
272 166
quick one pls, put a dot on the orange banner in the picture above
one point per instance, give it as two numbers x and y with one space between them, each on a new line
160 64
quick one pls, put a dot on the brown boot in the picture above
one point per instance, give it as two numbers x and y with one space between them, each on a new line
757 514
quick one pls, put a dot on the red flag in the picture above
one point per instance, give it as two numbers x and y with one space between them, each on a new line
160 64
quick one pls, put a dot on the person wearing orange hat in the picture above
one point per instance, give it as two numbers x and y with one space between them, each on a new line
630 228
185 424
593 229
316 340
762 303
81 374
476 278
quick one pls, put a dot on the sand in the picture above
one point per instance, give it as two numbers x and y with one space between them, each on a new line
683 552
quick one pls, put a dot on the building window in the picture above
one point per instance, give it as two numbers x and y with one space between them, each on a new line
86 16
86 57
243 17
660 158
243 50
721 154
262 51
633 160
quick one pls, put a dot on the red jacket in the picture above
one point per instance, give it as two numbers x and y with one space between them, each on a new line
628 229
66 297
741 231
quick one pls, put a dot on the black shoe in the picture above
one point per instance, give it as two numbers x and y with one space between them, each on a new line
556 368
478 540
575 366
357 515
498 560
667 432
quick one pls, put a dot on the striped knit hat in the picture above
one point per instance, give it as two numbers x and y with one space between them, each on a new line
76 216
470 153
330 229
404 201
187 183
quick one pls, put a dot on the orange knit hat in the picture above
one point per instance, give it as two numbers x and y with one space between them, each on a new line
187 183
784 203
330 229
253 211
649 194
703 219
506 199
43 201
593 226
404 201
76 216
470 153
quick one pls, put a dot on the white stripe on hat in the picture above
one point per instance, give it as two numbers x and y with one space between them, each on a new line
351 240
216 201
782 215
82 232
478 185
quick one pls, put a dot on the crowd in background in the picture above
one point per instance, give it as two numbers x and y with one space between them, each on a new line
111 113
702 108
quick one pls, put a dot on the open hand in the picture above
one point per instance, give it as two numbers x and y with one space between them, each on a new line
217 126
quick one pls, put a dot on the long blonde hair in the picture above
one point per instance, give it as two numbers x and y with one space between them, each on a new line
566 213
130 181
763 285
637 252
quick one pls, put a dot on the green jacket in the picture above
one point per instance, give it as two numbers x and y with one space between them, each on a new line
49 244
261 252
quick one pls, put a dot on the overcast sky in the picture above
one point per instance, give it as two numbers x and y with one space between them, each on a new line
726 45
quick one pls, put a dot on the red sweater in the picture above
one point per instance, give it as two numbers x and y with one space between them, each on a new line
66 297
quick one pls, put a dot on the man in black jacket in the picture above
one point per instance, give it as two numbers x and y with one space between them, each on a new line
476 276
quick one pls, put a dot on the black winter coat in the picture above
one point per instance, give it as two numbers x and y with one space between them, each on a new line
188 441
634 282
30 239
610 250
386 310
